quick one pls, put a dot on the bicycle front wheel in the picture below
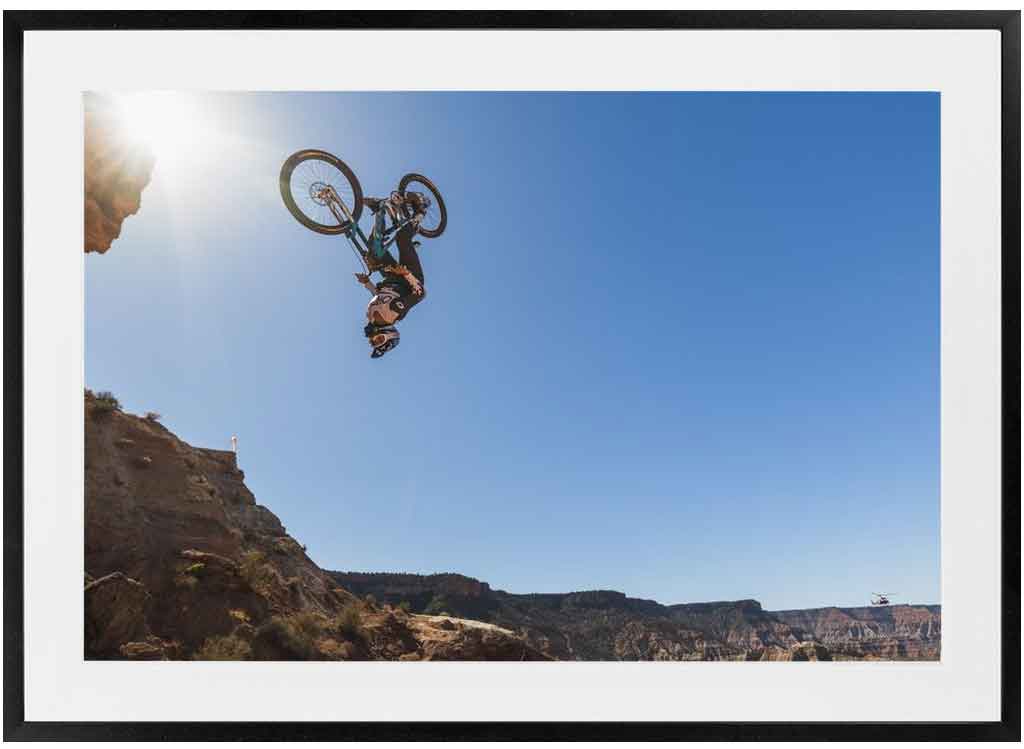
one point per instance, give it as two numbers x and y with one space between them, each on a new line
305 177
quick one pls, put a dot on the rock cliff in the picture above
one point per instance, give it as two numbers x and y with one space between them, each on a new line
181 562
117 169
873 632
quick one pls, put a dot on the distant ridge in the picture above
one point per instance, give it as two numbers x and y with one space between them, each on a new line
609 625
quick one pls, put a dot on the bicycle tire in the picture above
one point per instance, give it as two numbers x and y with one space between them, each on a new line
433 232
288 195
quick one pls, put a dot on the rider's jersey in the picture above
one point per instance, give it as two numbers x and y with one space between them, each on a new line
404 290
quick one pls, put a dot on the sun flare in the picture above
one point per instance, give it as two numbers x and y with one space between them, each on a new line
173 125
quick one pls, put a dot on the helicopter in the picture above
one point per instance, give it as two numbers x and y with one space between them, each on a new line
880 599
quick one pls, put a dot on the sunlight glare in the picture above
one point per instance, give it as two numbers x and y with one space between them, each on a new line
172 124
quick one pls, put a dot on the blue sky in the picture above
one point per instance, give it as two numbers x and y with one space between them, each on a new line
685 346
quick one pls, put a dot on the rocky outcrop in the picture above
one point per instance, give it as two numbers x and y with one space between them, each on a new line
448 638
115 614
804 651
117 169
742 625
181 562
901 632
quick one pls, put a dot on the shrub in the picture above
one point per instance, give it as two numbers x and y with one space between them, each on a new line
350 623
153 416
105 404
226 648
195 569
438 605
405 607
288 638
254 570
308 624
371 601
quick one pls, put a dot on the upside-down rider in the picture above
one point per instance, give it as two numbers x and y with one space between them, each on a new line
402 286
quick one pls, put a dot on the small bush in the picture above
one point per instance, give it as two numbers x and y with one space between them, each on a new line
371 601
153 416
308 624
350 623
254 570
105 404
195 569
227 648
405 607
438 605
285 636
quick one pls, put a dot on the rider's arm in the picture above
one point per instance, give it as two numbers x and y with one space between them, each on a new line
367 284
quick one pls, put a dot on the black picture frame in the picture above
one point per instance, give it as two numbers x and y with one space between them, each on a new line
17 23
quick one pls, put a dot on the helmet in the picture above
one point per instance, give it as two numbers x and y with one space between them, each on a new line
386 307
382 339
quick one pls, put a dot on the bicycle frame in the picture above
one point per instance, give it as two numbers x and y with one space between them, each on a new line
371 255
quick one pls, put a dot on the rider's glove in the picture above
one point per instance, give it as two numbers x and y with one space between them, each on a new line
364 279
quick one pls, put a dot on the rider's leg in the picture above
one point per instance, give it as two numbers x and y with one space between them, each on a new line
407 254
377 237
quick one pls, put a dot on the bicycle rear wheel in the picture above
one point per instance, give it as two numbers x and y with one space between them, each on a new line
436 218
304 177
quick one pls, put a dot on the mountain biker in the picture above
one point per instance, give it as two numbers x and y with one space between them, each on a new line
402 286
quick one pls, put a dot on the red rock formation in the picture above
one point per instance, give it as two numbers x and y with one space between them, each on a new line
180 562
117 169
873 632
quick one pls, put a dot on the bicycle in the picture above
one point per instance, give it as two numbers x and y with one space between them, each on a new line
323 193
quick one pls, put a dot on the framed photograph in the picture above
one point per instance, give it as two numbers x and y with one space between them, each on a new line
512 375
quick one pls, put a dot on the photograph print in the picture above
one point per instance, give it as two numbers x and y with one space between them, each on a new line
512 376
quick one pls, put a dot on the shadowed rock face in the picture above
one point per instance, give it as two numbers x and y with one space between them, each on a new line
181 562
117 169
